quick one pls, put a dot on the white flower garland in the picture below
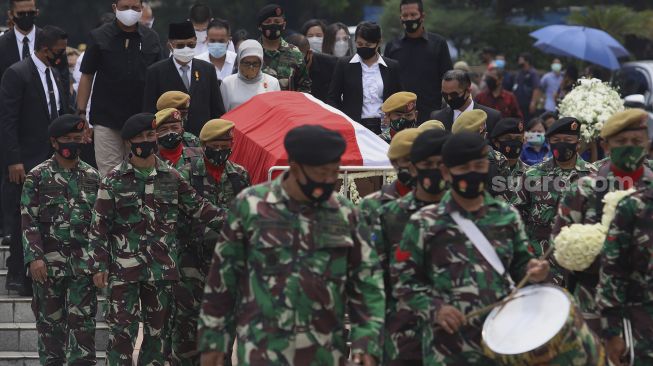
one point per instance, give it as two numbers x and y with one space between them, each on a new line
578 245
592 102
352 190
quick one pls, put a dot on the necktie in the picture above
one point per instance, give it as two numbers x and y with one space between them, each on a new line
184 76
54 111
25 48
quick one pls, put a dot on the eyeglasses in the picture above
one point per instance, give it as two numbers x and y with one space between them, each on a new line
251 65
183 45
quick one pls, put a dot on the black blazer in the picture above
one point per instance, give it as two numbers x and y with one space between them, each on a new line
321 72
346 89
205 98
24 114
445 115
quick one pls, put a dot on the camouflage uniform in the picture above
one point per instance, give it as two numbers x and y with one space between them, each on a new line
187 155
516 174
368 206
537 204
402 343
583 205
134 238
282 276
56 215
195 253
499 167
288 66
626 277
190 140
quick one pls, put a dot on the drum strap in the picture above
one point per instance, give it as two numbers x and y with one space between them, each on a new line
481 243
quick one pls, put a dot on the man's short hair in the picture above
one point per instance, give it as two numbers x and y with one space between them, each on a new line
240 35
369 31
12 3
527 57
48 37
220 24
548 115
419 3
460 76
200 13
300 41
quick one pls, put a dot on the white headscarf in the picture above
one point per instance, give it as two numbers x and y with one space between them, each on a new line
251 47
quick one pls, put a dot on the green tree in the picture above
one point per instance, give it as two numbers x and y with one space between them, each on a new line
618 21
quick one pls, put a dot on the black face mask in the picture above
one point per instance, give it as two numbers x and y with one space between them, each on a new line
412 26
563 151
469 185
69 150
272 31
366 53
511 149
404 177
491 83
170 141
457 102
56 58
143 149
25 22
217 157
431 181
314 191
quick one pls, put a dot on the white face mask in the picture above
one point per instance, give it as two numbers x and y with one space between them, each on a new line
316 43
128 17
340 49
201 36
184 55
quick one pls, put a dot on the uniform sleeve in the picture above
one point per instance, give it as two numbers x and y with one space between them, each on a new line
304 82
198 207
615 267
521 256
101 224
216 324
365 293
570 209
29 210
522 199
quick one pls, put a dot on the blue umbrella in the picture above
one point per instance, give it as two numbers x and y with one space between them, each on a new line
589 44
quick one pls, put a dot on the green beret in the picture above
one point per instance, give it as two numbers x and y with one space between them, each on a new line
137 124
463 147
314 145
401 143
404 102
470 121
217 129
564 126
428 143
66 124
433 124
173 99
269 11
507 126
628 120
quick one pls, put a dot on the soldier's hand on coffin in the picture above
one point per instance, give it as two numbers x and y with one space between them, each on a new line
38 270
538 270
450 319
212 359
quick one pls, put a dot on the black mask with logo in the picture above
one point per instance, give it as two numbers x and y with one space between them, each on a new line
69 150
563 151
511 149
404 177
469 185
56 57
315 191
412 26
144 149
217 157
170 141
272 31
431 181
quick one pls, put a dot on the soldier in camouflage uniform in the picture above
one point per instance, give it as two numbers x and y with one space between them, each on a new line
218 180
169 133
181 102
281 59
399 155
507 137
474 121
626 136
441 275
134 244
544 184
402 344
56 214
399 113
624 289
291 259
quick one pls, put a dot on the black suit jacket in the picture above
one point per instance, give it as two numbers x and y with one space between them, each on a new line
445 115
25 116
321 72
346 89
205 98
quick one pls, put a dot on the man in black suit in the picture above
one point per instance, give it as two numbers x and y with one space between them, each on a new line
320 66
356 84
183 73
457 92
32 94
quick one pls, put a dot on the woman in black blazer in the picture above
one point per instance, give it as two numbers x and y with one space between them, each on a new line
361 83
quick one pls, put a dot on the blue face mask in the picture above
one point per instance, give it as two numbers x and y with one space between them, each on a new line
500 64
217 50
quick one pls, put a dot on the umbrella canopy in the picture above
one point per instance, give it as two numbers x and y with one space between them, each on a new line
263 122
588 44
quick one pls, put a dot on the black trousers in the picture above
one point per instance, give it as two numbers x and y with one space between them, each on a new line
11 208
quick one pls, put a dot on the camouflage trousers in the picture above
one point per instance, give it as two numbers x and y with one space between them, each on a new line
132 303
641 318
461 349
402 341
65 309
188 299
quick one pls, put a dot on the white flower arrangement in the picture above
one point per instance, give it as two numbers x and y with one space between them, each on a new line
592 102
578 245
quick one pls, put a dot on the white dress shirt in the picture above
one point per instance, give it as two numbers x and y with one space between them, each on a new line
372 87
227 68
41 67
31 36
457 113
181 73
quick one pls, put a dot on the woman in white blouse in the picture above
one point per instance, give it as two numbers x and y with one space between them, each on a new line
250 80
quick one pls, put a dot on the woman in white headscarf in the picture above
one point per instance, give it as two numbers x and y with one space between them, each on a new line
250 81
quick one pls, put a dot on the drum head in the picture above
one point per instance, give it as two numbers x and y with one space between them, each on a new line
528 322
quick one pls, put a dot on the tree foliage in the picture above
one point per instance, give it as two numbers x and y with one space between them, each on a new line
618 21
